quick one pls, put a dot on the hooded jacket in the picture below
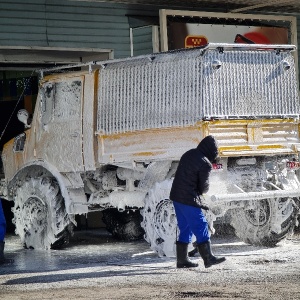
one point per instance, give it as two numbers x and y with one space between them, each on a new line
192 175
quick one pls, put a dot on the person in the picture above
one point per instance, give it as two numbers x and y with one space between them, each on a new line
2 236
190 182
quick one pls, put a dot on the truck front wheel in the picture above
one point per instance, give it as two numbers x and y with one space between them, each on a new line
39 214
264 222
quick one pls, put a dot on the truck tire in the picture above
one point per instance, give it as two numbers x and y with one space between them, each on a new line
159 219
125 226
266 222
39 214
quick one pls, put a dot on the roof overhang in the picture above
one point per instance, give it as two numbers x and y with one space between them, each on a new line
234 6
19 57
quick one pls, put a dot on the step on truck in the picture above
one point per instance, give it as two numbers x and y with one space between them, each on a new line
109 136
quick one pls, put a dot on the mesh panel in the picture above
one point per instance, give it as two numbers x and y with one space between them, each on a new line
250 84
181 88
142 94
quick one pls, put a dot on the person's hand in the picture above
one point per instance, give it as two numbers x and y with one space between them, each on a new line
201 200
204 207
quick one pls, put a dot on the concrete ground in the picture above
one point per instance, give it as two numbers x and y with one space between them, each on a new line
96 266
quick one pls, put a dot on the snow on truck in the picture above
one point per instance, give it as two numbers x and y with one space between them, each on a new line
109 138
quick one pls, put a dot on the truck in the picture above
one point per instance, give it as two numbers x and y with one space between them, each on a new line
108 135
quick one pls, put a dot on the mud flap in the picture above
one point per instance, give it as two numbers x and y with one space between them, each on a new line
72 189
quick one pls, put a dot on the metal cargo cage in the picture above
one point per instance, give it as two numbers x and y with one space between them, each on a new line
179 88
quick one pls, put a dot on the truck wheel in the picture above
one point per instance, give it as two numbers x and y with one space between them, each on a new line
39 214
159 219
125 225
264 222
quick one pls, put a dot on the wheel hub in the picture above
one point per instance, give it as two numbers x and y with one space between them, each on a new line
165 220
35 215
258 214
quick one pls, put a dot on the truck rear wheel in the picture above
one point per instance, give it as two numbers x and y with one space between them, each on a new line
159 219
39 214
264 222
125 225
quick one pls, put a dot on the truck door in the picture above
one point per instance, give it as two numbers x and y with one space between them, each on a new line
59 134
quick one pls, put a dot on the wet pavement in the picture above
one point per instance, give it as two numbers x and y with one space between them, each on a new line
94 259
86 248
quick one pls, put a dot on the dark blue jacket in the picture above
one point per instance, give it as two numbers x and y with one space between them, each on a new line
192 175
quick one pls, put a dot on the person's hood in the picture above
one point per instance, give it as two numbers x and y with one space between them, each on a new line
209 147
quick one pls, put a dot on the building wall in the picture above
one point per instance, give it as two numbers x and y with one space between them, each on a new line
142 40
73 24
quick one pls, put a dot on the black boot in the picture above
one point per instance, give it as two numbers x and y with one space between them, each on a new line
207 256
3 260
182 256
193 252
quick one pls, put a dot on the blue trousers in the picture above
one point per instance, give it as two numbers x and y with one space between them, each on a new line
191 220
2 224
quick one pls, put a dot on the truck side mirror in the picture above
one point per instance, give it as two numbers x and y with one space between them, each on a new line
23 116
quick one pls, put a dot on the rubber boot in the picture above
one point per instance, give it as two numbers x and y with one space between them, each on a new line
183 260
3 260
193 252
207 256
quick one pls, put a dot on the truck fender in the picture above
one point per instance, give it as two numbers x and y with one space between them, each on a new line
71 185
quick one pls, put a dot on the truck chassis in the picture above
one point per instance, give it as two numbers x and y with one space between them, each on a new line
109 138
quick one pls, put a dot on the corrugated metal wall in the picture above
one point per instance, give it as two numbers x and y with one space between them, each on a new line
71 24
